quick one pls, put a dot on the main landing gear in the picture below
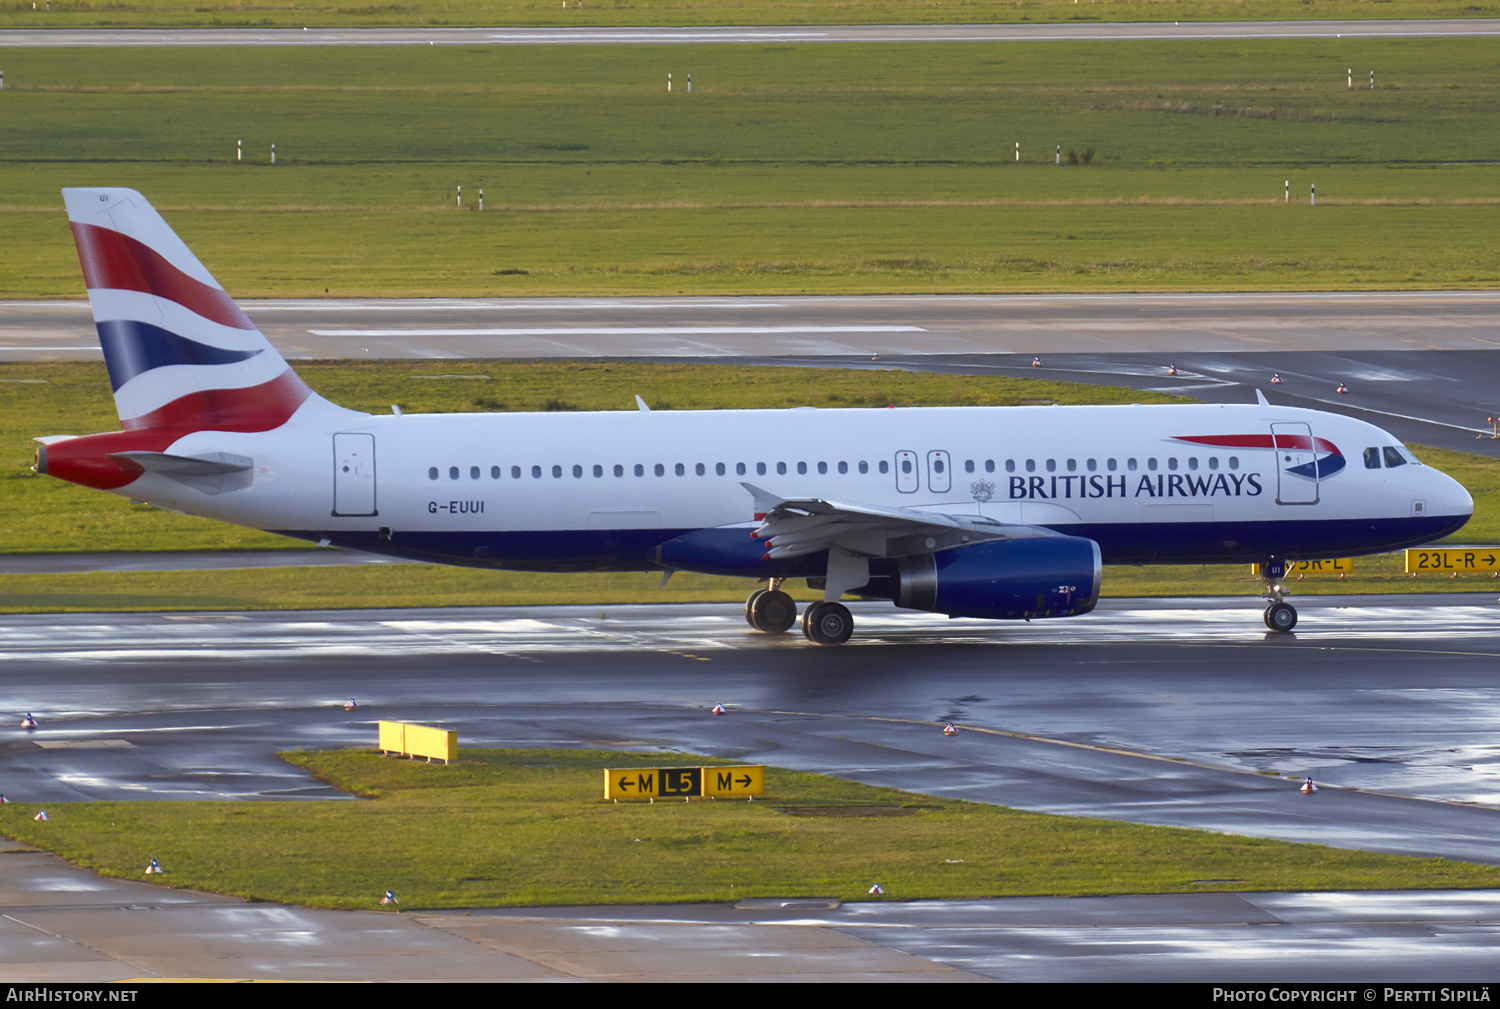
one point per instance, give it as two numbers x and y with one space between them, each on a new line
771 610
774 612
1280 616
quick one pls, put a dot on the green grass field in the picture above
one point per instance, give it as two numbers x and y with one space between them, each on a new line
544 13
529 827
816 168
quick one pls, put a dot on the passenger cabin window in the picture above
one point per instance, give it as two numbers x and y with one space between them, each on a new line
619 470
781 469
719 468
679 469
452 472
577 471
1051 465
843 467
640 470
1010 465
864 467
802 469
885 467
739 469
494 472
760 469
536 472
989 465
432 472
660 470
968 465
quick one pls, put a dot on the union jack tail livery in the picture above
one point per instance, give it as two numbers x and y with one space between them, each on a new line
180 353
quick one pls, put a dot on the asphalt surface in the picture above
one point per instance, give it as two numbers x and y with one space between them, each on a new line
61 924
749 35
1183 712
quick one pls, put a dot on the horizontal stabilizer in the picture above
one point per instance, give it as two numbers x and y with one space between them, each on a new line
214 473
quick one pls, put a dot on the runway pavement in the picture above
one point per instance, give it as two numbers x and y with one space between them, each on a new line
1419 364
751 35
1182 712
62 924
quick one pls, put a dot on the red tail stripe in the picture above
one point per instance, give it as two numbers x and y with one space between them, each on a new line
256 408
118 262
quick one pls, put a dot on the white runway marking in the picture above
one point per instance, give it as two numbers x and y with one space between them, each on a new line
620 331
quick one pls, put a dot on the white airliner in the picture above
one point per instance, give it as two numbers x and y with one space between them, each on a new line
977 512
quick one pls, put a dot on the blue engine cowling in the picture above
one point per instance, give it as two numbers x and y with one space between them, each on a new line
1051 576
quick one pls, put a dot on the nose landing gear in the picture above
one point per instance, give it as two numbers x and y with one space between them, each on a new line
1280 616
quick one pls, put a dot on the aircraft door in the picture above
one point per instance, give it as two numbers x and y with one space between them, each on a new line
354 474
1296 464
906 472
939 471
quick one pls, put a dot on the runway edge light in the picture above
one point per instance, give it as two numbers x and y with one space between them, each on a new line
1308 788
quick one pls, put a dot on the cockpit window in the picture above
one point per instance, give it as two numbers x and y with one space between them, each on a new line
1372 458
1393 457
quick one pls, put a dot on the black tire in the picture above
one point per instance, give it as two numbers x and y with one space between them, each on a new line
773 612
1281 618
1266 618
750 608
828 623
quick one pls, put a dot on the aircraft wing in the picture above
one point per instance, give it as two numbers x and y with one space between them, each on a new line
796 526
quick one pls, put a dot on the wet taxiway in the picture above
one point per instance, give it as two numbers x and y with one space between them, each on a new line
1182 712
1178 712
58 923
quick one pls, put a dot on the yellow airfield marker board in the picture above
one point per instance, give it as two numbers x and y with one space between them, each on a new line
640 783
1337 566
1453 560
737 782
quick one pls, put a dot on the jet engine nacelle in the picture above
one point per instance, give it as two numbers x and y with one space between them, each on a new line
1051 576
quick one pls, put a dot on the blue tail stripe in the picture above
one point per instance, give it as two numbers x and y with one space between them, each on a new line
133 348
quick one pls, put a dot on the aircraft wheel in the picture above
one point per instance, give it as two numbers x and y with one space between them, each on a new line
772 611
750 608
1266 617
828 623
1281 618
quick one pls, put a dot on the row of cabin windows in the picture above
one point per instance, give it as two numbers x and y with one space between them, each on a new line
659 469
1092 465
907 465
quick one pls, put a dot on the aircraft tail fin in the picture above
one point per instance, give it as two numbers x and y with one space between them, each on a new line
180 353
